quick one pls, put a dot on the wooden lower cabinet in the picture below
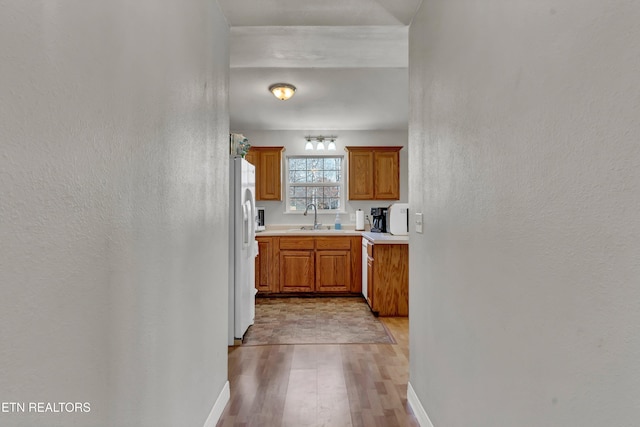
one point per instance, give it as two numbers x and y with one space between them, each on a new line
319 264
388 279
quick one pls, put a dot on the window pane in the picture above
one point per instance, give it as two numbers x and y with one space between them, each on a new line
330 176
314 193
297 204
331 191
297 176
330 164
298 191
315 163
314 176
297 164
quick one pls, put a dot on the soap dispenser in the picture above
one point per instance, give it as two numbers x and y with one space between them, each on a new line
338 224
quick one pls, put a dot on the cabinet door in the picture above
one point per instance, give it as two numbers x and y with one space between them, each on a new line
391 280
263 264
269 177
268 163
356 264
361 175
297 270
386 175
333 271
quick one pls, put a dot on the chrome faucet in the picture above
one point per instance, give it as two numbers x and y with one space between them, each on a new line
315 215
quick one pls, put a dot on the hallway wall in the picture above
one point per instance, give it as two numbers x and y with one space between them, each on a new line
113 222
524 158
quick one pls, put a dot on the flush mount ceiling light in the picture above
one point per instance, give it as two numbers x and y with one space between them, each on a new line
282 91
320 139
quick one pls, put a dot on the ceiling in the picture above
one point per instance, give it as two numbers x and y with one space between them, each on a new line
347 58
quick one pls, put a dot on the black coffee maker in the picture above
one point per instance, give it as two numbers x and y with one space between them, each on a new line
379 216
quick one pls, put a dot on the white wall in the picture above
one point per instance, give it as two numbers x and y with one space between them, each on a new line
113 262
525 159
294 143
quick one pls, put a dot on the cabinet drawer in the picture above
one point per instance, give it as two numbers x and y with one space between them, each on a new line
333 243
296 243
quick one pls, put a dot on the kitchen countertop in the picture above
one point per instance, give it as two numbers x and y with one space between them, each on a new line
385 238
375 238
299 232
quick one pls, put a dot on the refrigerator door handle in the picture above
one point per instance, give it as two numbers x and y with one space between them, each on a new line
245 224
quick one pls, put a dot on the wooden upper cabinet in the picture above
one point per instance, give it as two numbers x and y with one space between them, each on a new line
374 173
268 163
269 181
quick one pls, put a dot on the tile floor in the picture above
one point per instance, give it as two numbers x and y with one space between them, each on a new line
332 320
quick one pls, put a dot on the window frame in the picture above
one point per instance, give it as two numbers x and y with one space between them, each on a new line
340 183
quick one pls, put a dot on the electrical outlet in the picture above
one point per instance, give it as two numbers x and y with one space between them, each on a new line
352 217
419 222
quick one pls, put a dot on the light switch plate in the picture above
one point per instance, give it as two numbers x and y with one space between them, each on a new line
419 222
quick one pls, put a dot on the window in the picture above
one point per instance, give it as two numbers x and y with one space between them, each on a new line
314 179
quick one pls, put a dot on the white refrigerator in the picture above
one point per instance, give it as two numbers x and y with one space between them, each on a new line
243 248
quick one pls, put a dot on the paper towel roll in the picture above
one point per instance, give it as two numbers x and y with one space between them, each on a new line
359 219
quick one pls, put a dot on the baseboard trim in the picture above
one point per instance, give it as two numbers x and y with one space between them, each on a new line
218 407
417 408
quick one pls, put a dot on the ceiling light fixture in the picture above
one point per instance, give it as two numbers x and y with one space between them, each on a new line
320 139
282 91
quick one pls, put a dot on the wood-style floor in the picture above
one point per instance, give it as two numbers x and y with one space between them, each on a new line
331 385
